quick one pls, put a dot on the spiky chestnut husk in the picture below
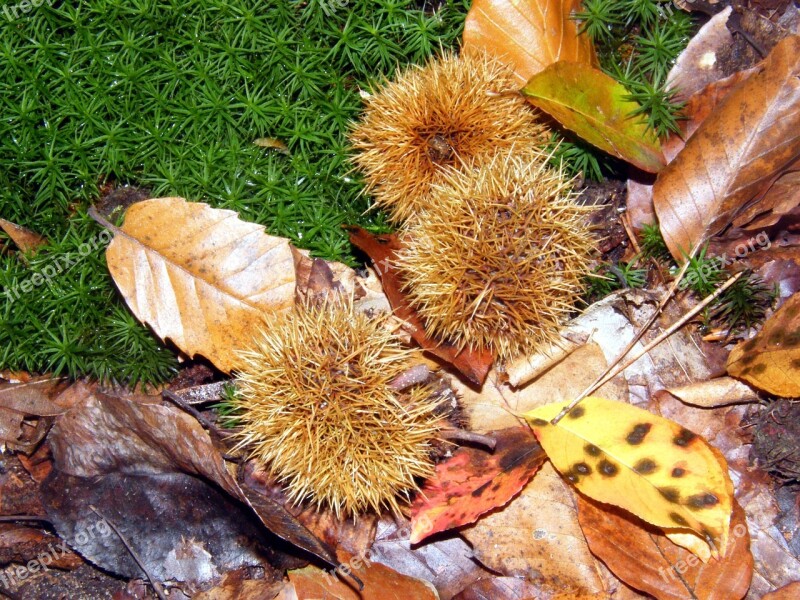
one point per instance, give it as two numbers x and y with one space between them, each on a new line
317 408
434 117
498 257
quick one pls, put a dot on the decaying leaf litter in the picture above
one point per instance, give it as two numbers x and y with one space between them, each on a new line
633 492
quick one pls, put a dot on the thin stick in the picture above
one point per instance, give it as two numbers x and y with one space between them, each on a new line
613 371
178 401
156 585
462 435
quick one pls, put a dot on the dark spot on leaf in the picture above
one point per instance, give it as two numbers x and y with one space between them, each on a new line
581 468
607 468
745 371
679 520
793 338
670 494
572 478
701 501
775 338
758 369
678 472
749 345
684 438
747 359
496 486
639 432
515 456
592 450
539 423
476 493
577 412
645 466
796 363
791 311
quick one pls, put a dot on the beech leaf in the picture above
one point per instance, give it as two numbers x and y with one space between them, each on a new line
199 276
645 559
530 34
26 240
771 360
473 482
652 467
593 105
735 155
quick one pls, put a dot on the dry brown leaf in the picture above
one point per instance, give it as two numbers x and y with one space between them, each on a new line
199 276
234 587
537 536
26 240
781 199
771 360
380 583
787 592
645 559
37 397
735 155
699 65
530 34
714 392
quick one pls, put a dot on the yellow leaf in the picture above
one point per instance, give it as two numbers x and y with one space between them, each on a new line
654 468
200 276
771 360
529 34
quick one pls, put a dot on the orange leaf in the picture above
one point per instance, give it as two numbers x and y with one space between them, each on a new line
472 363
644 558
530 34
473 482
735 155
771 360
595 106
200 276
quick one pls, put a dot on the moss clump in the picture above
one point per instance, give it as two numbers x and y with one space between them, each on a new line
171 95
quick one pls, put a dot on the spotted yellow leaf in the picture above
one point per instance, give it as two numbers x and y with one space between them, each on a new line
654 468
771 360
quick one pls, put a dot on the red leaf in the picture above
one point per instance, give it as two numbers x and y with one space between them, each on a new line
473 364
473 482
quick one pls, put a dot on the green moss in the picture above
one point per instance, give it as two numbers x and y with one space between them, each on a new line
171 95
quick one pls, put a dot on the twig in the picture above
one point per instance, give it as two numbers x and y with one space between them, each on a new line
613 371
178 401
469 436
156 585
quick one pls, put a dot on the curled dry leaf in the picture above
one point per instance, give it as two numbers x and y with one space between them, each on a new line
771 360
661 472
597 108
26 240
199 276
647 560
381 249
787 592
735 155
530 34
38 397
473 482
719 391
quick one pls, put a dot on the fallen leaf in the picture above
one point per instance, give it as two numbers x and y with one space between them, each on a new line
473 482
380 583
699 64
26 240
593 105
381 249
447 562
199 276
647 560
37 397
234 587
771 360
654 468
537 537
787 592
735 155
139 434
780 199
20 544
714 392
530 34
